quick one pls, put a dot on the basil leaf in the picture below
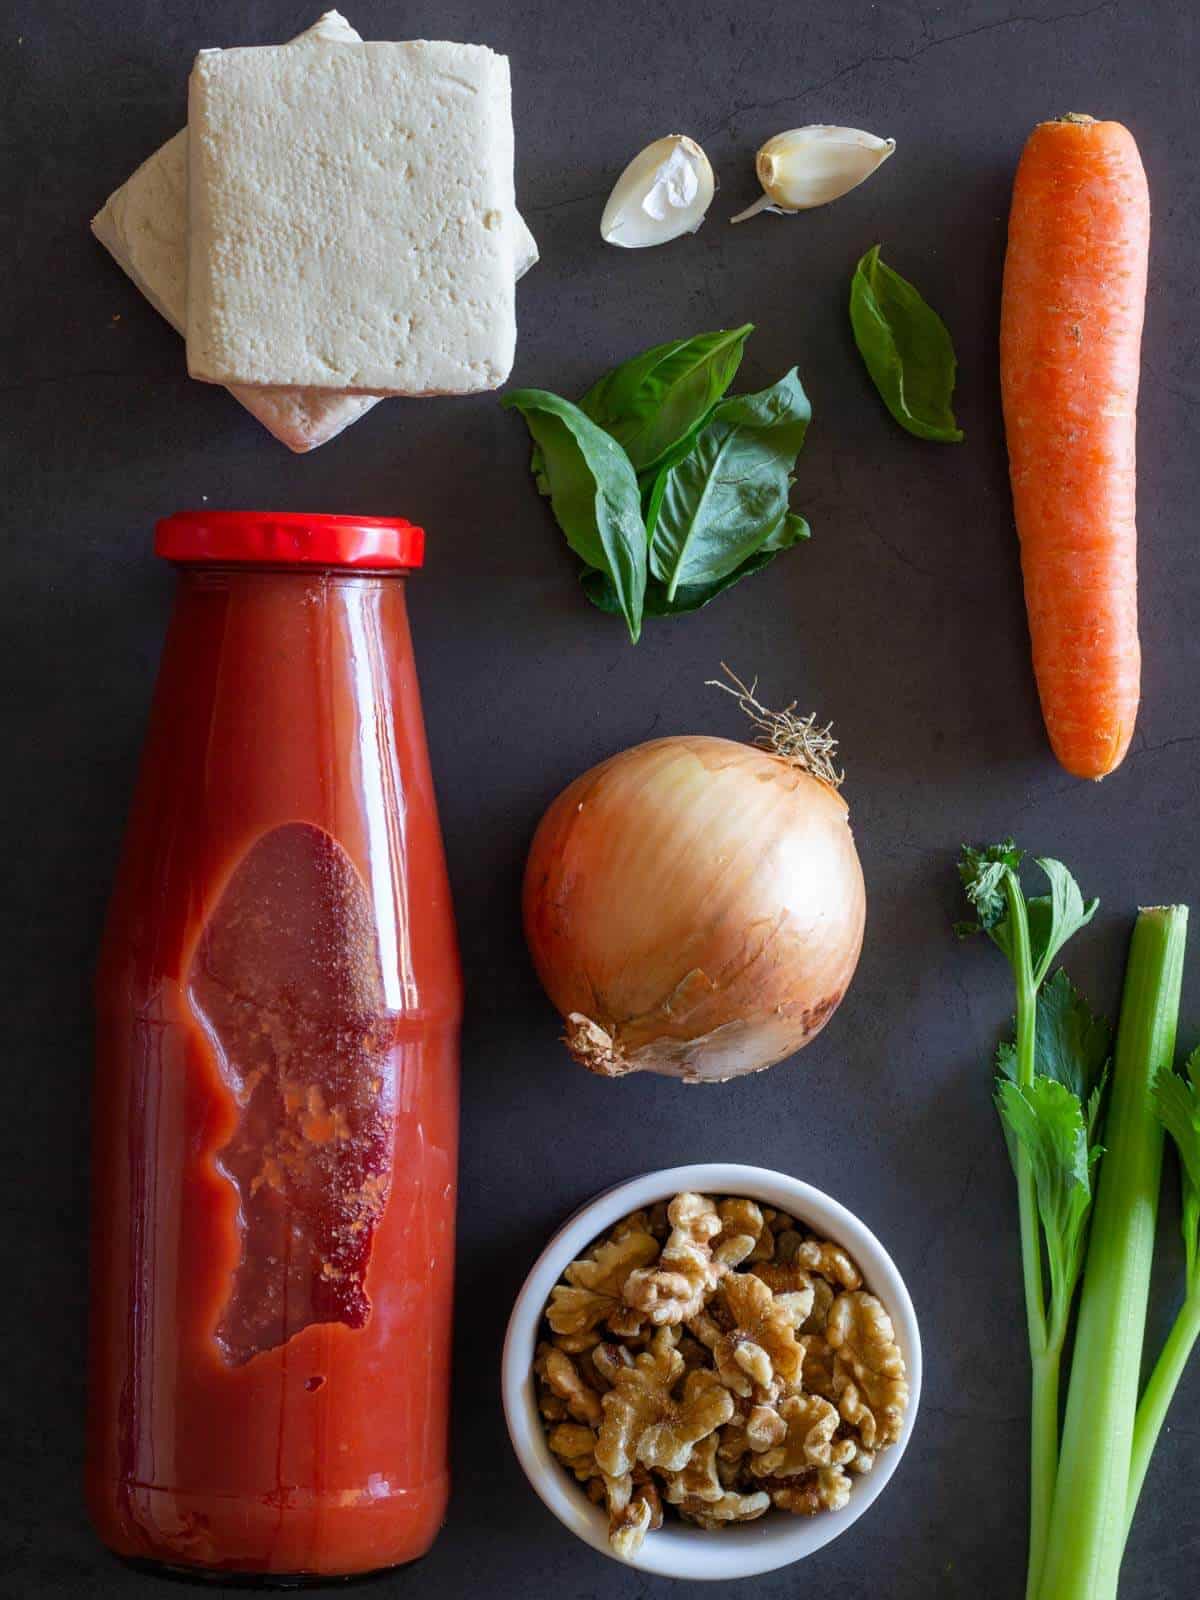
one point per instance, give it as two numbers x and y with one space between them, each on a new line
601 593
679 451
652 403
593 492
537 465
792 530
599 590
690 597
652 502
718 507
907 349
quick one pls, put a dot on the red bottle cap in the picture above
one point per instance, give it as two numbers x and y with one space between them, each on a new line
291 538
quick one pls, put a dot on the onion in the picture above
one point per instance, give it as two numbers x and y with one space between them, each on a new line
695 906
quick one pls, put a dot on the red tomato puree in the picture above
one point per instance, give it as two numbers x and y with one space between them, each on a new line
276 1093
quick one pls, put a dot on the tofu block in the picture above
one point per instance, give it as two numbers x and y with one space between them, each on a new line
349 213
144 227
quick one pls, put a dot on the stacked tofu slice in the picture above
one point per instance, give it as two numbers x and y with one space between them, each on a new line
337 223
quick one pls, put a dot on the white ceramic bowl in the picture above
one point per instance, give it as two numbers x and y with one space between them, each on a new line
677 1550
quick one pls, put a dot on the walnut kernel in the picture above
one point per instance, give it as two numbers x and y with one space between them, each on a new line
712 1355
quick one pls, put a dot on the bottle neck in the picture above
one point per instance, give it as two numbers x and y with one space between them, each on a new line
229 572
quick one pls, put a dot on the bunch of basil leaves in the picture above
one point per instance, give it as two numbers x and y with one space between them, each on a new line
667 490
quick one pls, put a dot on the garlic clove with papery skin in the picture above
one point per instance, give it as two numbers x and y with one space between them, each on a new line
662 194
807 167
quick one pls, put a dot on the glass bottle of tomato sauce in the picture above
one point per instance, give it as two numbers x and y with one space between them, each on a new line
276 1096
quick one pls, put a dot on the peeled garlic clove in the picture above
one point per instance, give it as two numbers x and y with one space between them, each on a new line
664 192
807 167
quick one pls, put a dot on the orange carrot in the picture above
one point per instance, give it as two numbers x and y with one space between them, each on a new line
1070 336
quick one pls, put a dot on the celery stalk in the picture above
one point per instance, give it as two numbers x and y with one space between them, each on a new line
1087 1532
1045 1358
1160 1390
1049 1087
1177 1100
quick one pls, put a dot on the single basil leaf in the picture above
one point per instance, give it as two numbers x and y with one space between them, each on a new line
652 502
537 465
791 527
792 530
694 596
599 590
719 505
907 349
654 486
601 593
652 403
593 492
679 451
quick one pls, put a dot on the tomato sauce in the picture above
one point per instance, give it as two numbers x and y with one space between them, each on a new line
276 1103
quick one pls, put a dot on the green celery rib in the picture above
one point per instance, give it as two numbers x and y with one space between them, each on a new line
1043 1439
1173 1358
1160 1390
1043 1455
1087 1532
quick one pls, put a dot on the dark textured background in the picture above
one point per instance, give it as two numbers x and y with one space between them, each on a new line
902 621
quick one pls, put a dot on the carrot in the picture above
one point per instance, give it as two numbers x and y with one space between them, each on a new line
1070 336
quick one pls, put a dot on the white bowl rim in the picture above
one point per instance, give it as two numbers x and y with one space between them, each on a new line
677 1551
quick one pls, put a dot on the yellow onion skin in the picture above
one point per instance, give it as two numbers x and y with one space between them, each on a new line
694 907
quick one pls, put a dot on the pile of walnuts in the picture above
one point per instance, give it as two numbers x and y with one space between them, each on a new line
710 1356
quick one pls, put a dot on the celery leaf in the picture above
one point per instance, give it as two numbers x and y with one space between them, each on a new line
1053 918
1048 1121
1177 1102
981 873
1072 1046
1057 916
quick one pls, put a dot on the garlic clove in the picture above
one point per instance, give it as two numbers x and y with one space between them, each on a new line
807 167
663 193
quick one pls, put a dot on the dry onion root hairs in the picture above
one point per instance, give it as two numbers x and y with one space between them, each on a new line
783 733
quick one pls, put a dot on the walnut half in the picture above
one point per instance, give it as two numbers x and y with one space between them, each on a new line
869 1376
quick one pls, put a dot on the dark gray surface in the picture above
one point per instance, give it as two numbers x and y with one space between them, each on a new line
902 621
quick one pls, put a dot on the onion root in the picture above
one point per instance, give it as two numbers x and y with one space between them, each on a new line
797 739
